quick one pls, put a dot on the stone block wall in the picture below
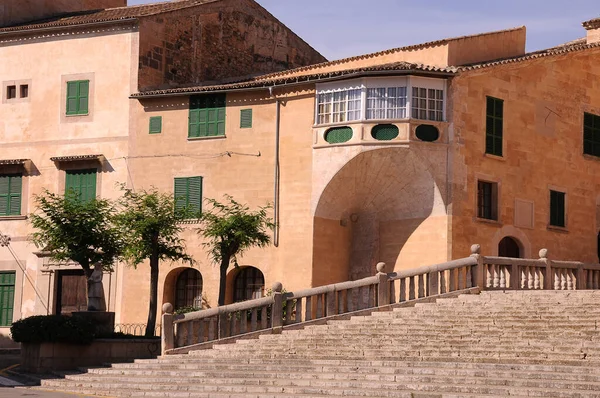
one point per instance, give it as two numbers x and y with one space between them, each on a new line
217 42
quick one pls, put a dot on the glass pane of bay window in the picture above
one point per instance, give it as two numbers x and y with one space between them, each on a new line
386 103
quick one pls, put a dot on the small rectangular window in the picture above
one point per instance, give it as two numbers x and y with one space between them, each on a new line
11 186
11 92
7 297
487 200
246 118
156 125
494 121
24 90
207 116
82 183
591 134
188 194
427 104
78 97
557 209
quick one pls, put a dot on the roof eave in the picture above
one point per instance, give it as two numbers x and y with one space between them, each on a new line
65 27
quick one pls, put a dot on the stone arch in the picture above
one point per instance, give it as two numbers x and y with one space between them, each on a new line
510 247
183 287
515 233
245 283
382 205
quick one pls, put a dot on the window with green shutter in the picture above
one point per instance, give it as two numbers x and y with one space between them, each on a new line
591 134
246 118
82 183
78 97
156 125
10 194
207 116
188 194
557 209
494 121
7 297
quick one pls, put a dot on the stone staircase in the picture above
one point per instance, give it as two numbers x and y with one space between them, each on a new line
493 344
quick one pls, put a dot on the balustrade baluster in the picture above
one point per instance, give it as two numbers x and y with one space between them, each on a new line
233 324
596 279
288 312
254 320
181 331
469 277
443 287
211 329
570 279
319 306
402 290
496 269
340 301
556 279
392 292
589 281
489 271
308 309
411 288
299 310
502 271
202 325
371 299
524 277
243 322
563 280
263 318
421 291
349 297
453 281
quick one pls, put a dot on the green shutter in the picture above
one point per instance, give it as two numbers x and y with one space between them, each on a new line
494 126
188 194
156 125
207 116
246 118
82 183
7 297
78 93
10 194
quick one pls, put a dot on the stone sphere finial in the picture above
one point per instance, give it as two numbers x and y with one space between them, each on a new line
167 308
544 253
381 267
476 249
277 287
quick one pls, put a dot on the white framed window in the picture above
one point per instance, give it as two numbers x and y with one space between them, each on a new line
427 104
339 106
386 103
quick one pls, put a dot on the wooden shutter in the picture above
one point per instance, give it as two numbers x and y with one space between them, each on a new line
10 194
156 125
72 90
180 193
83 100
7 297
195 194
206 116
82 183
246 118
4 195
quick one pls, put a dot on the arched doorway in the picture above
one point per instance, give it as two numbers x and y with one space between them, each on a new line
248 284
188 289
509 247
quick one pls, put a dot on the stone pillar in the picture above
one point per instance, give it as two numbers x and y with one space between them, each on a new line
479 269
168 335
383 289
549 278
277 309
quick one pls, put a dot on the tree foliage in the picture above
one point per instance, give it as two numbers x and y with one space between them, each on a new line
231 228
151 226
71 229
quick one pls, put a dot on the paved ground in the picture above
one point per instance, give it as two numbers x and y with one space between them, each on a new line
6 392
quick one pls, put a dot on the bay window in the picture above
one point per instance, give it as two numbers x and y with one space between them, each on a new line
380 99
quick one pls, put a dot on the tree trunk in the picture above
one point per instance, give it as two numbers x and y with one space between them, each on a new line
87 272
151 324
223 280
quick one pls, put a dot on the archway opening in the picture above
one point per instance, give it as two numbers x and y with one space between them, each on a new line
509 247
188 289
249 283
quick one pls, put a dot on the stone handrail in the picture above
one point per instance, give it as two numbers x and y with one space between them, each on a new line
181 333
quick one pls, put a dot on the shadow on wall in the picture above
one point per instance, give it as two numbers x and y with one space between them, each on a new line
7 342
370 211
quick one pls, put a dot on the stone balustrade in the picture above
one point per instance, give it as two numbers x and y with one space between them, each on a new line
201 329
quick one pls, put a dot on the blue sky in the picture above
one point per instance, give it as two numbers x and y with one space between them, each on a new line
343 28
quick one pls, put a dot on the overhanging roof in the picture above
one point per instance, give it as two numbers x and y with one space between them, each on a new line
76 158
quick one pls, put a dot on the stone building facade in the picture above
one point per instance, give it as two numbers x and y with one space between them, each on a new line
67 73
405 156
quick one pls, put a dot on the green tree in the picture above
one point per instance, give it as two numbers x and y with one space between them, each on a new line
71 229
151 225
230 229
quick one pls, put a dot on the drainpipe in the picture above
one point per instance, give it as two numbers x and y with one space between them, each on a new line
277 170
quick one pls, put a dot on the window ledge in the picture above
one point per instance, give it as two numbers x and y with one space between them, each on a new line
78 115
555 228
591 157
495 157
213 137
190 222
12 218
487 221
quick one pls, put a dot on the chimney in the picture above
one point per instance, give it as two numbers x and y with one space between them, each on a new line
16 12
593 30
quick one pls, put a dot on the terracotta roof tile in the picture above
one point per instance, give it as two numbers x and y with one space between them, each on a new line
592 24
390 68
107 15
76 158
11 162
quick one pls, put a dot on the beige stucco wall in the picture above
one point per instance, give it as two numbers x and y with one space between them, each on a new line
544 104
37 129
